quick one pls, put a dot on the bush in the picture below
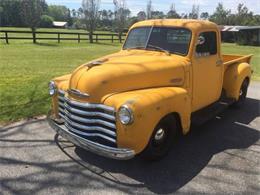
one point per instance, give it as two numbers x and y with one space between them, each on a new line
46 21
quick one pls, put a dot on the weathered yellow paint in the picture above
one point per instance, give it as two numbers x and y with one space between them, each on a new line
234 77
129 70
207 75
149 107
155 84
62 84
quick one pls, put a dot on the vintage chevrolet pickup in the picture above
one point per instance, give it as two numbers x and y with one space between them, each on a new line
169 74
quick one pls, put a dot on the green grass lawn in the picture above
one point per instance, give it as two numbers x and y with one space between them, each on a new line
228 48
25 70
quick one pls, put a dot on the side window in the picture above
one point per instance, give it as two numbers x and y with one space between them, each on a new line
207 44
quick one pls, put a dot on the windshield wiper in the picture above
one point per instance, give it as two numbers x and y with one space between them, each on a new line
159 49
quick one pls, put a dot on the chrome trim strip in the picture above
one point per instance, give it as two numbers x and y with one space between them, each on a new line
106 151
61 109
60 98
87 105
87 113
61 104
90 134
84 105
61 115
78 93
89 128
61 92
92 121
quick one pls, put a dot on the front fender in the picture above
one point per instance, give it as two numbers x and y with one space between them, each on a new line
233 78
149 107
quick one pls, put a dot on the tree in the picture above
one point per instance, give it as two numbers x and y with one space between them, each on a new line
31 12
204 15
149 9
157 14
59 12
74 13
141 16
121 16
256 20
220 16
244 16
110 14
10 13
46 21
184 16
172 13
69 18
194 12
90 12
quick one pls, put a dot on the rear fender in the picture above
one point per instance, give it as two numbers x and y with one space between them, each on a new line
234 77
149 107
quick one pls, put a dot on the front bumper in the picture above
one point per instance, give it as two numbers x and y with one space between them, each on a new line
114 153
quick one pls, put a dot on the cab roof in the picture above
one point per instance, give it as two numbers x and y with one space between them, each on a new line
193 25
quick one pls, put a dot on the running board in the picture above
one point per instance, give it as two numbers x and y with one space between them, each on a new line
201 116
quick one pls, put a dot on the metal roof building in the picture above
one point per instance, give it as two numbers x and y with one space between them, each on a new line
59 24
243 35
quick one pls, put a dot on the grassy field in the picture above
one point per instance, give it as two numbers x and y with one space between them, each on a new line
25 70
228 48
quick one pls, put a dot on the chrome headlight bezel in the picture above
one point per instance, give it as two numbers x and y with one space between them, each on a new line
52 88
125 115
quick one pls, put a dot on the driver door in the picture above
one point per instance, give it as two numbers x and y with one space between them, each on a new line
207 70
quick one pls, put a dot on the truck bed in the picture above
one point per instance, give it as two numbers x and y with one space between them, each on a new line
233 59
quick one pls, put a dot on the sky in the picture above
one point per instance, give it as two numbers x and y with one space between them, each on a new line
181 6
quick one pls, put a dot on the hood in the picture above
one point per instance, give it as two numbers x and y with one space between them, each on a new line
126 71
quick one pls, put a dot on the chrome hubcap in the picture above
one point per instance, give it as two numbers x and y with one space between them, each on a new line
159 134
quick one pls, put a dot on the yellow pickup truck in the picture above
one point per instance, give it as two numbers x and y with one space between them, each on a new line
168 74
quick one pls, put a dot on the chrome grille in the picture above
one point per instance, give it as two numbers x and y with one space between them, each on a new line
95 122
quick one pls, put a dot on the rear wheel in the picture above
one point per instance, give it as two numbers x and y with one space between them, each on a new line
242 94
162 139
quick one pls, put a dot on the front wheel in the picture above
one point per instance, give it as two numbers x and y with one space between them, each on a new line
242 94
162 139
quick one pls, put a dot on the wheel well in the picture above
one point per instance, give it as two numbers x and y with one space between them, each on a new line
223 93
176 116
247 79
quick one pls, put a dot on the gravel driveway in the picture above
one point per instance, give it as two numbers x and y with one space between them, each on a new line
221 157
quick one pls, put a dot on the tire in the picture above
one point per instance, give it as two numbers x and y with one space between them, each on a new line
242 96
162 139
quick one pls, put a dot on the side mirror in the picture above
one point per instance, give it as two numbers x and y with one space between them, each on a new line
201 40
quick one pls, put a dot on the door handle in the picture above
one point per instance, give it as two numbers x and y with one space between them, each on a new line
219 63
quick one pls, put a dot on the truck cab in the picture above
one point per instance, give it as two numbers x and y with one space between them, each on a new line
142 98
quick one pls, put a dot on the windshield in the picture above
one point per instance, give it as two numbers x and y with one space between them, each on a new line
173 40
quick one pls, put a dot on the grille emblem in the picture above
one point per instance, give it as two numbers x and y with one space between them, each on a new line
78 93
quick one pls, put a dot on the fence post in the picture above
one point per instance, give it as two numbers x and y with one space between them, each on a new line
112 38
6 38
120 37
78 38
96 38
58 37
34 36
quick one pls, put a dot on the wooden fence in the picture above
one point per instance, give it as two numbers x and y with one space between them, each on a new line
12 35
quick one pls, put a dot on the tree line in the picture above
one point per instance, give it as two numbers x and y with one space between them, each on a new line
37 13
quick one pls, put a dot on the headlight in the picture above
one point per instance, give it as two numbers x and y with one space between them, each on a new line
52 88
125 115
